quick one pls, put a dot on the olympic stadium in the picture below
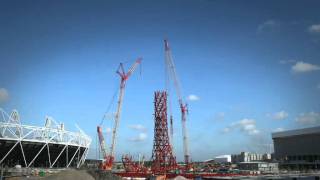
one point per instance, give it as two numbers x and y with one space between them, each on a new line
48 146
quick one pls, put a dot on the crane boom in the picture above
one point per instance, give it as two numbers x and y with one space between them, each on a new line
101 141
183 107
172 70
124 77
109 158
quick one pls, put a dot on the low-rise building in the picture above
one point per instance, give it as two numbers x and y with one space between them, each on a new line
249 157
263 167
223 159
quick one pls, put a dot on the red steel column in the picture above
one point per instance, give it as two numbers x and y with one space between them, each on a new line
162 156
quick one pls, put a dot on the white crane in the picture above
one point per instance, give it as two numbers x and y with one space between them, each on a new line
171 70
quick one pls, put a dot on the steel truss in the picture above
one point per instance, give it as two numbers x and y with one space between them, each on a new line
163 160
51 134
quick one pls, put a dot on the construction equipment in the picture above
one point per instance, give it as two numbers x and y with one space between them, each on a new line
109 157
133 167
183 106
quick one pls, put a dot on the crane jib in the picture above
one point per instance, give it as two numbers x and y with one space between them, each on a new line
109 158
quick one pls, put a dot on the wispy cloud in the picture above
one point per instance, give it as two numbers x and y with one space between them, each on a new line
268 25
247 126
139 138
219 116
290 61
302 67
193 97
278 129
281 115
138 127
310 118
4 95
226 130
315 29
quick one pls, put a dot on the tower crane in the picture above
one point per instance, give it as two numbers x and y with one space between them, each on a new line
109 157
171 70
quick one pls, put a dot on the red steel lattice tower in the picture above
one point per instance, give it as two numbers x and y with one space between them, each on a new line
163 160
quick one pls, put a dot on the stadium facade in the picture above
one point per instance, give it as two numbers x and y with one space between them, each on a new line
298 149
49 146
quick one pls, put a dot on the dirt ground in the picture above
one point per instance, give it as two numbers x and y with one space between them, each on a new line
72 175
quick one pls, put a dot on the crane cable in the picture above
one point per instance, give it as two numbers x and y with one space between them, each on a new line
168 83
111 103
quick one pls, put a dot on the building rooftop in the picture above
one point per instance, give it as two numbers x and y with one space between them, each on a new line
296 132
257 162
223 156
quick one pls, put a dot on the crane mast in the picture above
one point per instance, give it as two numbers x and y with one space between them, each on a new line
109 158
183 106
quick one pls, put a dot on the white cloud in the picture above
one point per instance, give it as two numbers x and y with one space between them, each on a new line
4 95
226 130
315 28
279 115
219 116
279 129
193 97
301 67
139 138
247 126
267 25
310 118
138 127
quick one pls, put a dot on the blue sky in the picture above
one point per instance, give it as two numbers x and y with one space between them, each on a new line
252 67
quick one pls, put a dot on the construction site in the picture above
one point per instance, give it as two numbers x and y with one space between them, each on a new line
163 163
59 149
167 89
53 153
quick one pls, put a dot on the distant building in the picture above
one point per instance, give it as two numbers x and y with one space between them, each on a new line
298 149
249 157
223 159
267 157
263 167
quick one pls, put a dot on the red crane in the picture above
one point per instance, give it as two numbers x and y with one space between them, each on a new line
171 70
109 157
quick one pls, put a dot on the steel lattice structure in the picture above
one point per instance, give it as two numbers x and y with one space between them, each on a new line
33 146
133 167
162 156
